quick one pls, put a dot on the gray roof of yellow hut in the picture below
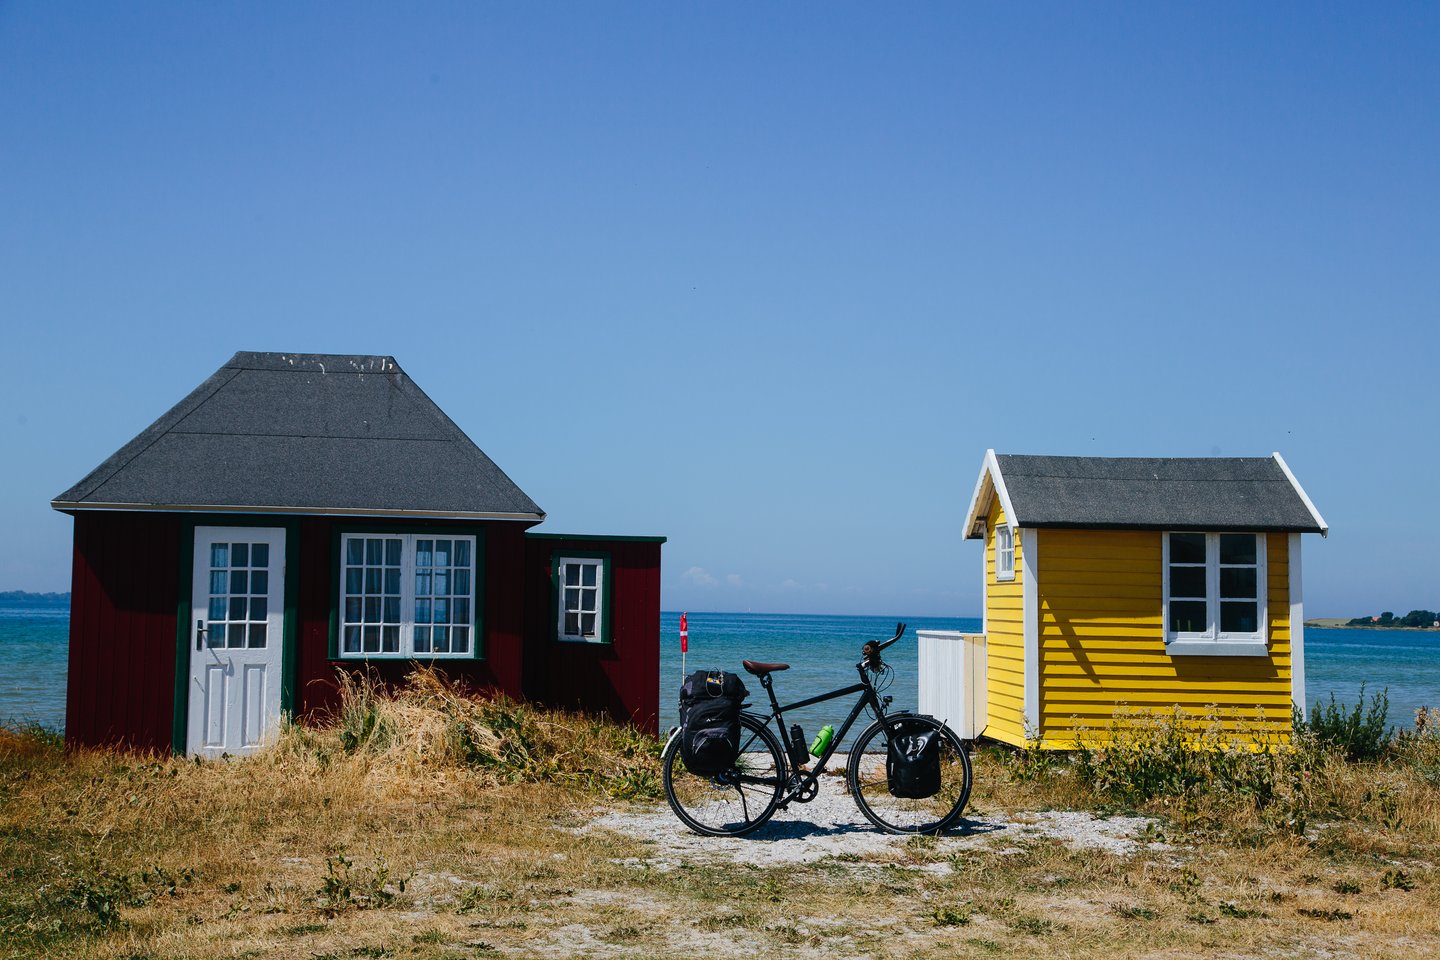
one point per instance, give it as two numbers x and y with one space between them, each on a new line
305 433
1144 493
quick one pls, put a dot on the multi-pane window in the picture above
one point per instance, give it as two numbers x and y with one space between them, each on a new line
1004 553
407 595
239 595
373 580
1213 586
582 598
442 596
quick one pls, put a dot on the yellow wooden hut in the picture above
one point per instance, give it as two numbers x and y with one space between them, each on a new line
1136 584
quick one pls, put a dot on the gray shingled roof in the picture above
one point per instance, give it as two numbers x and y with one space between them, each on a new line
1214 493
307 433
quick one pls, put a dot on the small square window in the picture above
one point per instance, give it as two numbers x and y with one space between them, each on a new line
1004 553
580 599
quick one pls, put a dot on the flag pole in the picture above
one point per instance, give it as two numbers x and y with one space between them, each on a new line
684 645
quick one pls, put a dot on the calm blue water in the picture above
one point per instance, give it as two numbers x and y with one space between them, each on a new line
821 651
32 664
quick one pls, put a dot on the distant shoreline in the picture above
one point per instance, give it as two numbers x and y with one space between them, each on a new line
1337 624
26 598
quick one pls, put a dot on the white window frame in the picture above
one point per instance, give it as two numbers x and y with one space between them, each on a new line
1004 552
599 563
407 622
1213 641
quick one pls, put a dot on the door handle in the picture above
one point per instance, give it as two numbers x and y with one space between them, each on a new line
199 634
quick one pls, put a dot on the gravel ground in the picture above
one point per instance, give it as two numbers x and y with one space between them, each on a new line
831 826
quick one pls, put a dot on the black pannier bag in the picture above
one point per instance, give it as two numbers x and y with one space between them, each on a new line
912 763
710 721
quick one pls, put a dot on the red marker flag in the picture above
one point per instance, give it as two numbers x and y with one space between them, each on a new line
684 635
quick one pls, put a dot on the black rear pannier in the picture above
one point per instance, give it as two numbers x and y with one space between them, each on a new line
710 721
912 764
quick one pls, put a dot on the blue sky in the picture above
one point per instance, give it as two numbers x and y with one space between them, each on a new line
766 279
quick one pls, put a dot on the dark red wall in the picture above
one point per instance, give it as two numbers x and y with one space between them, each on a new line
123 589
621 678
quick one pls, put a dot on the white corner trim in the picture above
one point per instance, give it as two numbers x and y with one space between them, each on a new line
1297 629
1304 497
984 587
1030 605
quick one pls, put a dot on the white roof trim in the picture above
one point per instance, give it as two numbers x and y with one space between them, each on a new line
67 505
1319 520
989 469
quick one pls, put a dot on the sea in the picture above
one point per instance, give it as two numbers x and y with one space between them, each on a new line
822 652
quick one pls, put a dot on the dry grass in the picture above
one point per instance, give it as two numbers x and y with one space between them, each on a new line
430 824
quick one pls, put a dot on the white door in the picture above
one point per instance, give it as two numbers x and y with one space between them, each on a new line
237 621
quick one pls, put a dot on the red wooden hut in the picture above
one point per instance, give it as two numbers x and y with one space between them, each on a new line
300 514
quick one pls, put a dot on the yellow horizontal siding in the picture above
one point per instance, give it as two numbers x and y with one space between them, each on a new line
1005 643
1102 645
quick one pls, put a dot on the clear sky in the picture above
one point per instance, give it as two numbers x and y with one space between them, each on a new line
766 279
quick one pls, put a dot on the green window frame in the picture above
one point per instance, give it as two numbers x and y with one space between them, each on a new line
401 627
567 618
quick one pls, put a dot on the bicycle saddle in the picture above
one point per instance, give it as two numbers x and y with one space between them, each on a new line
760 669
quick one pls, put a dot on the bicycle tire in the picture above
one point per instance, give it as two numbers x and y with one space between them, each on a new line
865 775
736 802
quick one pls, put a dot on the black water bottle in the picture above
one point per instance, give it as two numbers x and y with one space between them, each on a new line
798 756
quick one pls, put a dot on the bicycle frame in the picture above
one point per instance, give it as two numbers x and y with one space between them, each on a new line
803 780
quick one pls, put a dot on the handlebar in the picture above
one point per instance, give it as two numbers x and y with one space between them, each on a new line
871 650
899 632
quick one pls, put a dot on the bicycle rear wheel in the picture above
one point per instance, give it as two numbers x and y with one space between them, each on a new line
869 783
737 801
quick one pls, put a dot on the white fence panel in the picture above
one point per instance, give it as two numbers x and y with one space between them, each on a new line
952 679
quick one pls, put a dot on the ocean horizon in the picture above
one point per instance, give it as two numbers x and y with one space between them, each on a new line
821 649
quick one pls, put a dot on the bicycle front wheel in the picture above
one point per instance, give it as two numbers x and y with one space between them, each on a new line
869 784
737 801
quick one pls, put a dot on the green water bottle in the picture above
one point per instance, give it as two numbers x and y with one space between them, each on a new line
822 740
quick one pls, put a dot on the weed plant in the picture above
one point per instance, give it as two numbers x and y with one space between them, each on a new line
1360 732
